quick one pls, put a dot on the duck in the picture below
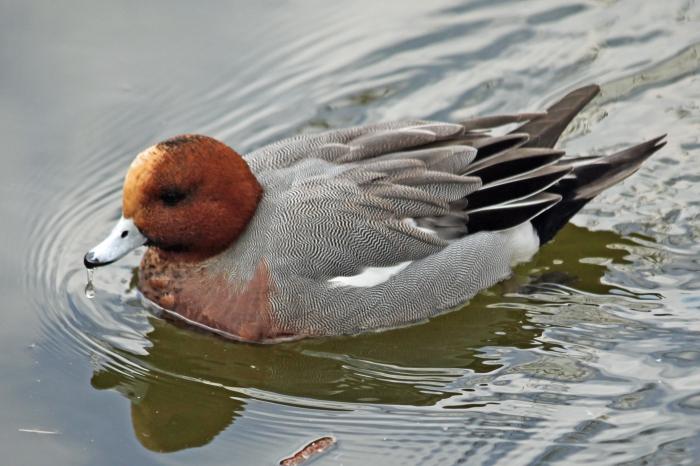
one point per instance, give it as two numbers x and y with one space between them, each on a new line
352 230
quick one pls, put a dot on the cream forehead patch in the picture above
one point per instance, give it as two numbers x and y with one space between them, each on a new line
137 177
147 157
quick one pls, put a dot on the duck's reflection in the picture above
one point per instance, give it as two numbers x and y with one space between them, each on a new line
171 414
192 387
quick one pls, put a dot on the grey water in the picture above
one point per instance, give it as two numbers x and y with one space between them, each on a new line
590 354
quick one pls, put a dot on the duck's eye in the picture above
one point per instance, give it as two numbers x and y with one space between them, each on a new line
172 196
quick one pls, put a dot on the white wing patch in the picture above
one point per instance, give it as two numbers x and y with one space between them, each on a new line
370 276
525 243
412 222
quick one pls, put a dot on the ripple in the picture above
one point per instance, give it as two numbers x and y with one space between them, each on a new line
586 355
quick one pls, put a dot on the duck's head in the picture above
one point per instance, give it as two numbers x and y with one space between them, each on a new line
190 196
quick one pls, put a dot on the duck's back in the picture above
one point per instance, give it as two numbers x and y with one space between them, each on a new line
383 225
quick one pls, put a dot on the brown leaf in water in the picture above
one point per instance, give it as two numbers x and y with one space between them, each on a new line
312 449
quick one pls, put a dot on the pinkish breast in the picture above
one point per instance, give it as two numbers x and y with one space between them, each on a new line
194 293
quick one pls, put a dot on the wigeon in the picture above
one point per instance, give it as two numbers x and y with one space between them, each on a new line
358 229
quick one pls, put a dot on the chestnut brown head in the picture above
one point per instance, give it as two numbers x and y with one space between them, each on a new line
191 196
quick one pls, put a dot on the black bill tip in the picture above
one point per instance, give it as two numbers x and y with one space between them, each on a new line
92 262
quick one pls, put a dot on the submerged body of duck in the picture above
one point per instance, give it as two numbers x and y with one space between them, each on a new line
352 230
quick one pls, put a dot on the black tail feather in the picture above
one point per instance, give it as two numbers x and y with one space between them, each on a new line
495 121
486 145
490 147
545 130
512 163
593 178
523 177
510 215
587 181
516 188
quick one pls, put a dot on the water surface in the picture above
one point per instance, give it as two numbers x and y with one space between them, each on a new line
589 354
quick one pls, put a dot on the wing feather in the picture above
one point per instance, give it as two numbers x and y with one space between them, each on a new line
379 195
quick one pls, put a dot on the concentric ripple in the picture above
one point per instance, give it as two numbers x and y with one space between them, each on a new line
588 354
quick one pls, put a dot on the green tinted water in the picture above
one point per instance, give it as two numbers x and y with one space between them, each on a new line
589 354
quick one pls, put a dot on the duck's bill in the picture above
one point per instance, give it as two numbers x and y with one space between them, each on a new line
123 239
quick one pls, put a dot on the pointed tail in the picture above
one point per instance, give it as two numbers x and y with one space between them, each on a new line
590 177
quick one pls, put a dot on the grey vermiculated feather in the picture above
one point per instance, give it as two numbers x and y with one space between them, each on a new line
289 151
388 167
379 195
408 202
451 159
442 185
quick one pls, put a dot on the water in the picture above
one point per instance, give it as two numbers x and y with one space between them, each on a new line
589 354
90 291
